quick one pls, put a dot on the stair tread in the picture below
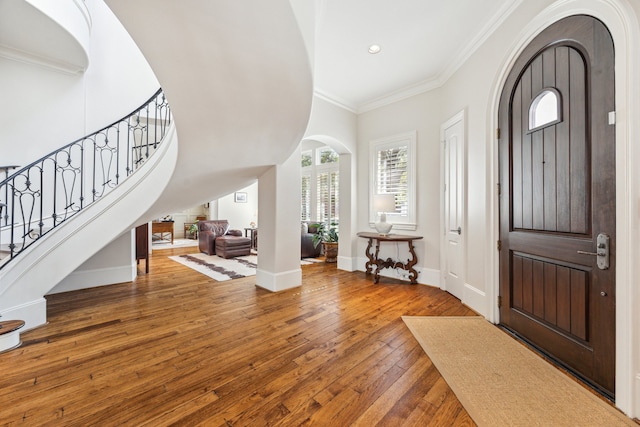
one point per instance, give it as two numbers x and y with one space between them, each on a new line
9 326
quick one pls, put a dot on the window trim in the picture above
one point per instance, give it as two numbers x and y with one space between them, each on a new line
408 139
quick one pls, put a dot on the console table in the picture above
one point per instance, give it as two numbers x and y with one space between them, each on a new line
161 227
389 263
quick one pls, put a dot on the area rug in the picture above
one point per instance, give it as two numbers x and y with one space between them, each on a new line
217 268
177 243
500 382
222 269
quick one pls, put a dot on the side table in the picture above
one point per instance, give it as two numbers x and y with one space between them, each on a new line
389 263
252 233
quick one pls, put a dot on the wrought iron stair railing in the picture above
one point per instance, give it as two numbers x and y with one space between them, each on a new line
39 197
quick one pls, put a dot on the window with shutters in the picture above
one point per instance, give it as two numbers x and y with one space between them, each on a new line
393 172
320 176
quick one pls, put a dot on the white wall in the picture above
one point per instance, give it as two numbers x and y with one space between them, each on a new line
49 109
115 263
336 127
240 215
332 125
423 114
118 79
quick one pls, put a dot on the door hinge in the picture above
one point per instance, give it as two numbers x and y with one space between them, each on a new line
498 133
499 301
499 189
499 245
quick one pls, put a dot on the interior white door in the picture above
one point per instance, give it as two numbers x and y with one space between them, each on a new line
453 248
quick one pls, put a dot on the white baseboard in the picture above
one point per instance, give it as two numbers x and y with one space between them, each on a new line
636 409
98 277
475 299
276 282
34 313
347 263
429 276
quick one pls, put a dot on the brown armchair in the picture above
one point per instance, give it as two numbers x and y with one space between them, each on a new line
216 233
207 233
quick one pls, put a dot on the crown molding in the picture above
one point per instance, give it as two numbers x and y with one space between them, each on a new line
400 94
490 27
440 79
335 100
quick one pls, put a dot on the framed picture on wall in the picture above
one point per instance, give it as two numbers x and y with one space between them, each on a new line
240 197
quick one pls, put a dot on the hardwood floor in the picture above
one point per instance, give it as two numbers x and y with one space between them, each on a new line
177 348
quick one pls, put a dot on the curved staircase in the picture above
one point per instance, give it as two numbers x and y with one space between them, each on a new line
240 87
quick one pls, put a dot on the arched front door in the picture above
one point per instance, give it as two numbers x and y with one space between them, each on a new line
557 202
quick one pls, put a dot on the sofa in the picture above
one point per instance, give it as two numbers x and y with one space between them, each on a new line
215 238
307 250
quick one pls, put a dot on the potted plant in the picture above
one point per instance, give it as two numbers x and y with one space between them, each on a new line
327 234
193 230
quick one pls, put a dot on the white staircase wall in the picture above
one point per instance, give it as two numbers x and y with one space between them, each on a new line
44 109
53 35
115 263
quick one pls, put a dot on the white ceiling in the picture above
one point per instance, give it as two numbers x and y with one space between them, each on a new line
423 42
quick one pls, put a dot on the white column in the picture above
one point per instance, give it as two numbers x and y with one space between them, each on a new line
348 245
279 226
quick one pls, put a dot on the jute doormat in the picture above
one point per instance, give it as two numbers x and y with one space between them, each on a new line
502 383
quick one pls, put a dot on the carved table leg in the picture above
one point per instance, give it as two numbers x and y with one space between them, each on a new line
413 274
367 252
378 262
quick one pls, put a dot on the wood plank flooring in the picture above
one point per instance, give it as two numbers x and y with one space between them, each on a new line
177 348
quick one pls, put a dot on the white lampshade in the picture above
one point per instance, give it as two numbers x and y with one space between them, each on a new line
384 203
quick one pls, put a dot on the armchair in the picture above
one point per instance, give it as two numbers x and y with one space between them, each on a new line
214 237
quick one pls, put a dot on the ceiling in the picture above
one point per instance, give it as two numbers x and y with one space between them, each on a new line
423 42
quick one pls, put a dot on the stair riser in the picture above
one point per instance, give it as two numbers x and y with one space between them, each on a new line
9 341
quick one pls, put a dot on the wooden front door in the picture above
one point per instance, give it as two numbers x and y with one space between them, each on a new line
557 198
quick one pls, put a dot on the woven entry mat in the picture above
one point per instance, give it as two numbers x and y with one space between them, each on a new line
500 382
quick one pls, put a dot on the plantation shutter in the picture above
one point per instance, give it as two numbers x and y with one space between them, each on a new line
334 197
391 175
327 196
322 193
306 198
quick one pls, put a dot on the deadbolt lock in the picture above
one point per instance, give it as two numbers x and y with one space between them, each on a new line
602 251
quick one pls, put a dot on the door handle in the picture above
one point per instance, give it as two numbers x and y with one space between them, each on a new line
458 230
602 251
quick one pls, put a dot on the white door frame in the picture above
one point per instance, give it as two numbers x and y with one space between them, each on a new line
620 19
462 176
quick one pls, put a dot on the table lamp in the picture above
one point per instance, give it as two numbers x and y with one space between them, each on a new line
384 203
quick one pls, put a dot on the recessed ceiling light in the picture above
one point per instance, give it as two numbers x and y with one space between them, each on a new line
374 48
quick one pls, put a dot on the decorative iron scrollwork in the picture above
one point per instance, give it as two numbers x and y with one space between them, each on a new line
39 197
